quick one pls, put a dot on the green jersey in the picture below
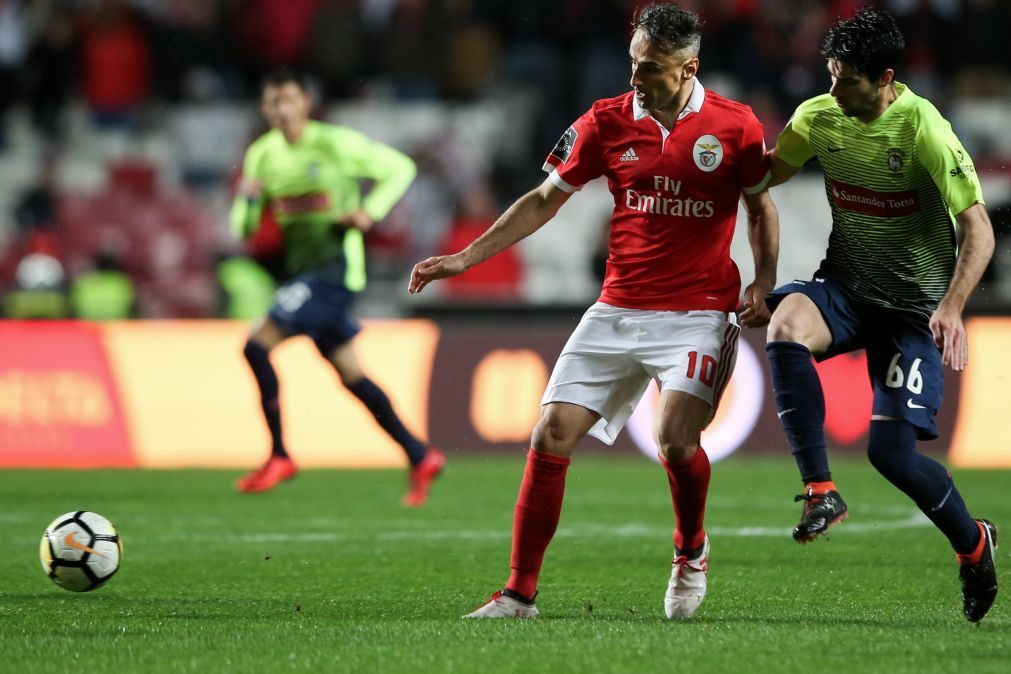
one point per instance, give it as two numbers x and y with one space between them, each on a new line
894 186
313 183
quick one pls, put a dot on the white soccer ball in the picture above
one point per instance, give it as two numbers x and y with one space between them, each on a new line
80 551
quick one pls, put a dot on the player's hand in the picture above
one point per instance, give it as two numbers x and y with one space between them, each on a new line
359 220
949 336
756 314
433 269
250 188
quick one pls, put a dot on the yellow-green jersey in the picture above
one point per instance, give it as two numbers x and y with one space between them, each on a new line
894 186
312 184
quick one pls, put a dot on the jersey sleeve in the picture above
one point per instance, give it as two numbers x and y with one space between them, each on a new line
392 170
752 163
947 163
794 144
244 216
576 158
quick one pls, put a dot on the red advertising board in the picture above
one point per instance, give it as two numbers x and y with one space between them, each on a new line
59 405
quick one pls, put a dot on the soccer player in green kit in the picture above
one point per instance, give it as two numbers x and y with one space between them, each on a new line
910 240
309 172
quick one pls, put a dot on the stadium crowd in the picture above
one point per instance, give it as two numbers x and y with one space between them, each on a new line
123 122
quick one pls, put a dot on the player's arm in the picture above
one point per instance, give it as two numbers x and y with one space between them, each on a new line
391 170
951 169
522 219
247 206
779 169
976 244
763 235
793 146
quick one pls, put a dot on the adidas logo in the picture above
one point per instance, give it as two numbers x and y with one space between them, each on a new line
629 155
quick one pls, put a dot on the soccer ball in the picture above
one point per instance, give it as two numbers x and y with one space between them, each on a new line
80 551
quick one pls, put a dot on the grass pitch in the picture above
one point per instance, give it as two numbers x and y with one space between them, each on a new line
329 574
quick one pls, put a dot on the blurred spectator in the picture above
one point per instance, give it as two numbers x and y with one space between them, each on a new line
39 289
194 52
13 48
116 63
412 67
983 64
339 53
276 32
105 292
52 71
36 208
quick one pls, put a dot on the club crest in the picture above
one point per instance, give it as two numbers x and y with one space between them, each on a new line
708 153
896 159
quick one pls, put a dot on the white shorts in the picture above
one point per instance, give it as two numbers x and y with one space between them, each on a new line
613 354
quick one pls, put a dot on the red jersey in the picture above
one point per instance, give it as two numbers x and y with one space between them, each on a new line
675 196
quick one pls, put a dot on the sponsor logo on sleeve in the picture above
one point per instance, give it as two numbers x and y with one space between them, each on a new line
964 167
563 148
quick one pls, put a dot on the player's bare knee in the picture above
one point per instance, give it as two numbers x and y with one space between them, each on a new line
786 326
677 446
553 436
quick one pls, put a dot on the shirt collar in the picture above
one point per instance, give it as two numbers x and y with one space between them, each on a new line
695 102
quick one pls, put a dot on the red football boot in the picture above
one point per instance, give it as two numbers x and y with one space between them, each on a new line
422 476
276 470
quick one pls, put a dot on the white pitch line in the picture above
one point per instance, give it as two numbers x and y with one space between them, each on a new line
915 520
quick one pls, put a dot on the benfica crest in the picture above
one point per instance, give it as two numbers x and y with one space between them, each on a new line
708 152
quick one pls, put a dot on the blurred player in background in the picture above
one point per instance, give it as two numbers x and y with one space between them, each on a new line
309 172
677 158
910 239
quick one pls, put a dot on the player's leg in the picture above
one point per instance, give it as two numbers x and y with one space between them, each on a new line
907 374
594 387
679 424
538 507
426 463
692 356
800 329
262 340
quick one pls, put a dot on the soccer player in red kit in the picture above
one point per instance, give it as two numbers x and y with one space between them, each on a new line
677 159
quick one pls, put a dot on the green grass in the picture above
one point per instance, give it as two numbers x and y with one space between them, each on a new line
329 574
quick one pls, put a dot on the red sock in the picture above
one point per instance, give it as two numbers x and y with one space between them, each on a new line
536 518
977 554
689 484
820 487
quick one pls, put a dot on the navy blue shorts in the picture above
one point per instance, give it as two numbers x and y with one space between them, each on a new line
313 306
903 362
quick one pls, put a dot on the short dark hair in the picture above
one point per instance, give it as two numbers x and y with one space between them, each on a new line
281 76
669 27
870 42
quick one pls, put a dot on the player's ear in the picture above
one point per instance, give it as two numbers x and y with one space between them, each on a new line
690 68
886 78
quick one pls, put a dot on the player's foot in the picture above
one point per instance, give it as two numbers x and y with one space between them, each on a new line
979 577
502 605
821 510
687 586
276 470
422 476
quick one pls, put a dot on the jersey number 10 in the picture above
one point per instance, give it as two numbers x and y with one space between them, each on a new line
707 371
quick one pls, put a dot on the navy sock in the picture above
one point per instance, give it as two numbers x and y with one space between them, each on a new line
382 410
801 406
266 378
892 450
